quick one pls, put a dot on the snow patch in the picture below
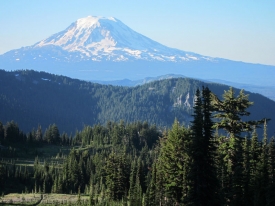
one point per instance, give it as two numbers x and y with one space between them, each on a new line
45 79
192 57
186 103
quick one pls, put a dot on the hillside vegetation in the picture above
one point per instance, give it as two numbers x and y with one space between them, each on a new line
139 164
33 98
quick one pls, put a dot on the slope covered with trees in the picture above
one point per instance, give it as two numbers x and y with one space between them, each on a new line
138 164
33 98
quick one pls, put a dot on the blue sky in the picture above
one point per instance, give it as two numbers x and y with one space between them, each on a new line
236 30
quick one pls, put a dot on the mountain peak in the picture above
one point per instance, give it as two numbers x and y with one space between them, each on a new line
89 21
107 49
95 38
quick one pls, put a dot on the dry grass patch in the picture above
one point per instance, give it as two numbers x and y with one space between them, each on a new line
20 199
59 199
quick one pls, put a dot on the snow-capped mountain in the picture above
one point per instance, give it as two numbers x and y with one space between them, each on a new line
106 49
108 39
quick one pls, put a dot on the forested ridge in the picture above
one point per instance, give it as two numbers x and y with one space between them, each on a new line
32 98
138 163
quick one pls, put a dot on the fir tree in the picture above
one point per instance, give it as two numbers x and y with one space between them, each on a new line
262 175
117 176
202 176
271 171
151 197
247 171
229 112
174 160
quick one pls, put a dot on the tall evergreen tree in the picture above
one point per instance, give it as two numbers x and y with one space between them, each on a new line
202 176
262 176
173 162
247 171
271 171
38 134
117 176
151 192
229 112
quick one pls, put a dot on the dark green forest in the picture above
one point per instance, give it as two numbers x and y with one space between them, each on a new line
218 158
32 98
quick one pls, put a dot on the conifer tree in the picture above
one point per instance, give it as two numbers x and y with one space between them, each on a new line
117 176
271 171
11 132
262 176
247 171
132 182
202 176
235 169
254 153
174 160
38 134
229 112
151 197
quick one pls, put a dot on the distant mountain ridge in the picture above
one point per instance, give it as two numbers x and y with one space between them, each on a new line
31 98
106 49
268 91
133 83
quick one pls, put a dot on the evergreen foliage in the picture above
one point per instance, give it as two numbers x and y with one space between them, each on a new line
33 98
173 162
138 163
203 189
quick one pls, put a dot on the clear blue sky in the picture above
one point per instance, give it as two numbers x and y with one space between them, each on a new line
237 30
